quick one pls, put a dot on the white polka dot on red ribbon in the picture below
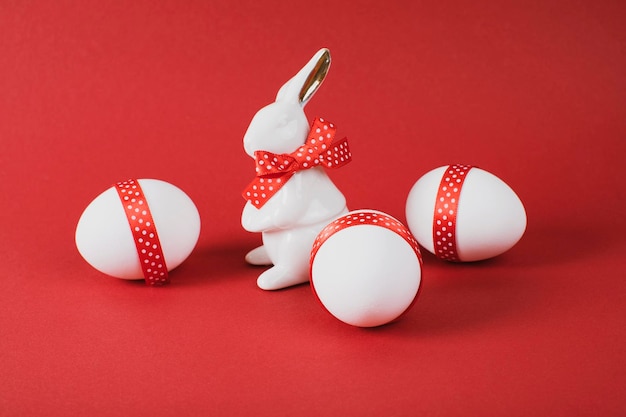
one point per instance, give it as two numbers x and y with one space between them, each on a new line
365 218
444 221
144 232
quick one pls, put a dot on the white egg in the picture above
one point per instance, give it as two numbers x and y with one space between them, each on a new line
464 213
366 268
105 240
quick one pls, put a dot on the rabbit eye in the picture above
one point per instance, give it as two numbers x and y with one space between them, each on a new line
282 121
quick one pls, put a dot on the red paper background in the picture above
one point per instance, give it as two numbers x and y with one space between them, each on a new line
93 92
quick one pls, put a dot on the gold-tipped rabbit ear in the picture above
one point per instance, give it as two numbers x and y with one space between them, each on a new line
316 76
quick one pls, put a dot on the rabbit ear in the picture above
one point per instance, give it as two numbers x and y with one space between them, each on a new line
306 82
316 76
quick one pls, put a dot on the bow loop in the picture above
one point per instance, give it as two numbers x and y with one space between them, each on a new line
274 170
268 163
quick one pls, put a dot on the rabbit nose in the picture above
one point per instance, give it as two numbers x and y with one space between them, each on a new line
248 149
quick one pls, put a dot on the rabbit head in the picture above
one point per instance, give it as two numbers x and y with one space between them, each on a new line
282 126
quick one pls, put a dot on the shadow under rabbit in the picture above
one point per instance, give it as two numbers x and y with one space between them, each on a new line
212 263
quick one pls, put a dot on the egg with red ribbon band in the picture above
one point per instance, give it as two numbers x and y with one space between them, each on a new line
138 229
462 213
366 268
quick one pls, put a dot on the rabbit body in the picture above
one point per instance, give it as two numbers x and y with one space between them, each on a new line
292 218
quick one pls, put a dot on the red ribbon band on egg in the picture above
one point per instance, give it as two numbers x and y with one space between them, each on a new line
444 221
144 232
364 218
274 170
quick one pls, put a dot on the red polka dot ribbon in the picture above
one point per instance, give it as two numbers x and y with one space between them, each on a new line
274 170
144 232
444 222
365 218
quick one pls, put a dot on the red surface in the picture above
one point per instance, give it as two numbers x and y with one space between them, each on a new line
531 91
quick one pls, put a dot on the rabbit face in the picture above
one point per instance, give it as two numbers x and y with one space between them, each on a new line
280 127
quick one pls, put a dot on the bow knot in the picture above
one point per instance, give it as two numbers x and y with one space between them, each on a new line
274 170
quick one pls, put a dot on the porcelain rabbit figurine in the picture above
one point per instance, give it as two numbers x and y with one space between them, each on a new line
307 200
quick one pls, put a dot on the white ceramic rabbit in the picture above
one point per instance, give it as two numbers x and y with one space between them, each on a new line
291 219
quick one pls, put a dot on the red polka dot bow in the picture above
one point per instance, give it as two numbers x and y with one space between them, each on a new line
274 170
